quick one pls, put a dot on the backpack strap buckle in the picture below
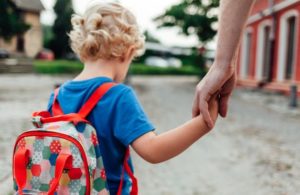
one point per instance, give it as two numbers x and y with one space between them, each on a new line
37 121
37 118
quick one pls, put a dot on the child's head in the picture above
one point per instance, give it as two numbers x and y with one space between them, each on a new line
106 31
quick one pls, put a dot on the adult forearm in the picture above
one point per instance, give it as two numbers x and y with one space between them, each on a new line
232 19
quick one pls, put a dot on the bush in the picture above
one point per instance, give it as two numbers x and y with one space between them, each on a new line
71 67
57 67
141 69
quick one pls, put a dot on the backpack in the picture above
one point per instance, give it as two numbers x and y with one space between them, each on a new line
61 155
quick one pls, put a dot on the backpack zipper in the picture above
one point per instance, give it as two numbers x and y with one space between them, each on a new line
43 133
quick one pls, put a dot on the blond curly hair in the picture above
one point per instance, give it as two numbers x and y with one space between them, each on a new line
105 31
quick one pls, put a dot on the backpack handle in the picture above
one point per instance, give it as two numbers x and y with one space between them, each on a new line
63 161
21 159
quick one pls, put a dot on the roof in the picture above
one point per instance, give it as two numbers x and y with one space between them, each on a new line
262 10
29 5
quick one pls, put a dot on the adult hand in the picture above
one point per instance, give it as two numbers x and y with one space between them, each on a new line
217 80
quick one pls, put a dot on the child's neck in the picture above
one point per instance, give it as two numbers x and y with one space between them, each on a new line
98 68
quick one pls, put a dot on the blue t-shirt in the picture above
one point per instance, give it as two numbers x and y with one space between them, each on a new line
118 118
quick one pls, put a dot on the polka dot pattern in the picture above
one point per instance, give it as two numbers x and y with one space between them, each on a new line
74 150
35 183
38 145
94 139
75 186
55 146
22 143
77 161
37 157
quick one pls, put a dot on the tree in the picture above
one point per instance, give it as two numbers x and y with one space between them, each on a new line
62 25
11 22
192 17
47 35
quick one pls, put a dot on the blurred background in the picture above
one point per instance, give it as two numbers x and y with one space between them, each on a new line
255 150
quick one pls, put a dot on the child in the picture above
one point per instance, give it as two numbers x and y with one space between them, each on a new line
107 38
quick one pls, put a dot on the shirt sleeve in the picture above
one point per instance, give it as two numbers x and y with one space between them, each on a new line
50 101
130 120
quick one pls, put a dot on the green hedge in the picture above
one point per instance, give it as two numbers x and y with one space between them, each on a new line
141 69
57 67
71 67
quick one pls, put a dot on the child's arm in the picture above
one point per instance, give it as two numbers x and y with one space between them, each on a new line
158 148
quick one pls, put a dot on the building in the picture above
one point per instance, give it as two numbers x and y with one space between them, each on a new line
269 55
31 42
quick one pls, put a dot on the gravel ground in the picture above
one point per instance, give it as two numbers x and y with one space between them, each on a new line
255 150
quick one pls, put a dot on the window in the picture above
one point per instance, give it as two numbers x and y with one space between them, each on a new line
290 51
287 45
20 43
246 54
266 52
263 71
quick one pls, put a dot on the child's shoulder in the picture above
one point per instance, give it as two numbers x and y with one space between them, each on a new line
88 86
123 88
123 91
118 94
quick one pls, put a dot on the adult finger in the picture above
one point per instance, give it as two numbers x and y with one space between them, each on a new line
195 108
203 105
223 105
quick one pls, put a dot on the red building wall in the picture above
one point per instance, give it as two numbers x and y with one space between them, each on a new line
259 5
253 24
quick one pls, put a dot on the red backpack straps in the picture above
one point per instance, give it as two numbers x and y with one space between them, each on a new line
90 103
84 112
56 109
127 168
134 187
94 99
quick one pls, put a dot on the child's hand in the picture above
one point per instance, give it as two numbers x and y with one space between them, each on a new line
214 108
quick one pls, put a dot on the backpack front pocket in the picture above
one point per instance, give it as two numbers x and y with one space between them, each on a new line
43 153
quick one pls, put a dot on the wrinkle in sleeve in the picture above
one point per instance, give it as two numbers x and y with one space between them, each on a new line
130 121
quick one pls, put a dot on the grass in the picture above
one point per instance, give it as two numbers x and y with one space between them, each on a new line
71 67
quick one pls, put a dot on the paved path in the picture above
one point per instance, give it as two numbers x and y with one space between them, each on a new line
254 151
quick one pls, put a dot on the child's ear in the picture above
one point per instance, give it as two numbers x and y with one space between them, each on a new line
129 54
